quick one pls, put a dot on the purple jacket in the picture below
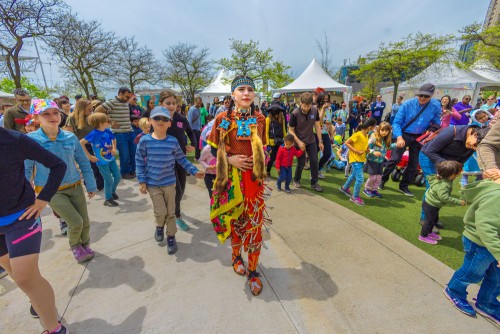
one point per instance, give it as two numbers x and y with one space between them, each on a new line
465 119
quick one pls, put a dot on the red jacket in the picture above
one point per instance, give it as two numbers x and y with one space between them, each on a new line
285 156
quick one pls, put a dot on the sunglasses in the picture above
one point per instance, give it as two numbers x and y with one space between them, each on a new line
467 99
423 96
161 118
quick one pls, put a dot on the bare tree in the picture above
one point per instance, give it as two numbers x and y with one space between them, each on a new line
326 56
135 65
188 67
85 51
21 20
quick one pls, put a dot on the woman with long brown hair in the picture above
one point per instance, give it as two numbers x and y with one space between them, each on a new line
78 123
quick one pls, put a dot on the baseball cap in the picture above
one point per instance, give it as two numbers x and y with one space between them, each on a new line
160 111
38 106
319 90
427 90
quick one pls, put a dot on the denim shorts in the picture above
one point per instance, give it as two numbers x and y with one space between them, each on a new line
23 237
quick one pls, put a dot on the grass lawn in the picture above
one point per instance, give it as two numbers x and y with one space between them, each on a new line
398 213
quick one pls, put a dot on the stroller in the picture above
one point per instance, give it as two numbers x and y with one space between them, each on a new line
397 173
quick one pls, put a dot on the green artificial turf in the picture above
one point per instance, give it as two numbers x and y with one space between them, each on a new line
398 213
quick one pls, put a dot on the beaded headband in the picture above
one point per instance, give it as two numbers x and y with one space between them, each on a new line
242 81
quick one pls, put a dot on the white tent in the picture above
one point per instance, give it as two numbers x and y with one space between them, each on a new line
6 95
315 76
220 86
448 79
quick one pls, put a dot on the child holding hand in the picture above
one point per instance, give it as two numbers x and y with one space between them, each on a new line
284 161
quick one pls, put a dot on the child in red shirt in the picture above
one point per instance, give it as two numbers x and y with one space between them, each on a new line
284 161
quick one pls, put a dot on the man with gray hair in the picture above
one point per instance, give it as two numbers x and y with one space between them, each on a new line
19 111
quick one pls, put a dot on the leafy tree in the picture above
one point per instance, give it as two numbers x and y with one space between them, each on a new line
247 59
487 42
85 50
188 67
9 85
404 59
135 65
21 20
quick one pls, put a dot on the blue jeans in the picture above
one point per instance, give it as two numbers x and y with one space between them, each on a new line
479 264
428 168
357 173
126 150
112 177
285 175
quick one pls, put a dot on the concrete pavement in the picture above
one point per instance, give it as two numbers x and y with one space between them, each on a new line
327 270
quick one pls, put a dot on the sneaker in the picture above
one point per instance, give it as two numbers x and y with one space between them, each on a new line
159 233
33 313
279 188
461 304
254 282
239 266
171 245
428 240
434 236
345 191
288 190
115 196
307 166
3 272
89 251
489 314
317 187
63 226
357 201
381 186
296 184
110 202
439 225
80 254
62 330
181 225
368 193
406 191
127 176
321 175
375 193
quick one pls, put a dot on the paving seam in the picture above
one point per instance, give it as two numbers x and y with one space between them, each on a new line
278 298
74 291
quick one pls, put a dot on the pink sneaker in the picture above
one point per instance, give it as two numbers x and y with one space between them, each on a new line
427 240
434 236
80 254
89 251
357 201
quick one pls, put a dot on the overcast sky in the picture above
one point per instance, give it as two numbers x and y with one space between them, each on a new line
290 28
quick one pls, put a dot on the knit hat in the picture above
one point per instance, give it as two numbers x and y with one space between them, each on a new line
38 106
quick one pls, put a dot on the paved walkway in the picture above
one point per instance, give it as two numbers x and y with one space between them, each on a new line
335 273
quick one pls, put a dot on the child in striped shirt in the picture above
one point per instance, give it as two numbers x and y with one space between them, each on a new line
155 160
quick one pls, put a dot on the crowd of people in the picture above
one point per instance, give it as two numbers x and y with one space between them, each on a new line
67 149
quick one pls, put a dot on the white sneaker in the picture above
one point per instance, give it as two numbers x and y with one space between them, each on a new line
321 175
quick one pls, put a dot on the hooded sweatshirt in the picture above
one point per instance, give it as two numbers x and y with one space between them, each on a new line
482 225
438 194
